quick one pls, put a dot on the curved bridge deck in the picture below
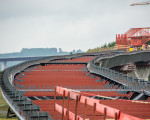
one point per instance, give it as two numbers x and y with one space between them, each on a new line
64 88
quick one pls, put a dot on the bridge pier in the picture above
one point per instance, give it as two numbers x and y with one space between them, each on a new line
139 70
3 65
142 72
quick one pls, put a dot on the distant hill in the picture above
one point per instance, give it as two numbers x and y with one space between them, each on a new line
32 52
36 52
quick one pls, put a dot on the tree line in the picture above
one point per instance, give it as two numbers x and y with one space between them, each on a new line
103 47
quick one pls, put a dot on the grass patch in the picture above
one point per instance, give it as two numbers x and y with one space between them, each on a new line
3 104
99 49
3 109
8 119
105 47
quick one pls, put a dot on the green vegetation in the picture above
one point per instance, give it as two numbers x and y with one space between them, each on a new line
1 73
3 106
4 118
71 53
3 109
148 43
109 46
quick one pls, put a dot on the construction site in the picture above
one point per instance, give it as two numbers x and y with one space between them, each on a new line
87 86
134 39
111 84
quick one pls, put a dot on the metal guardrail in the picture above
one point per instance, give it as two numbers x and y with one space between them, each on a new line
85 90
118 77
122 59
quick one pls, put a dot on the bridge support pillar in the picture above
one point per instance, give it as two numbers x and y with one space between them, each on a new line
3 65
142 72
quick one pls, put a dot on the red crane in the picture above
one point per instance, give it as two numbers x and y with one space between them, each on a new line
133 37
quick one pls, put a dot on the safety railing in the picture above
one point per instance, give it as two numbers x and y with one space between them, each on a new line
118 77
94 103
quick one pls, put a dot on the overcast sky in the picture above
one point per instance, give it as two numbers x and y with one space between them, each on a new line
66 24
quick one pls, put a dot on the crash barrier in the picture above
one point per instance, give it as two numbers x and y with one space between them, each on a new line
106 110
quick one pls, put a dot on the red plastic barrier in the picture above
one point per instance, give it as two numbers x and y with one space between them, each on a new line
60 90
73 95
90 101
71 114
110 111
59 108
99 107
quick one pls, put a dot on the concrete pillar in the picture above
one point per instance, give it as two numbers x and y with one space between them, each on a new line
3 65
142 72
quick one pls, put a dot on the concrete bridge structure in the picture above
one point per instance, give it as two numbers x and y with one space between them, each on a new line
4 60
134 64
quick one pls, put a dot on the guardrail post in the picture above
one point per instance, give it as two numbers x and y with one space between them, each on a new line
76 107
68 106
116 116
85 108
105 113
63 105
54 99
94 109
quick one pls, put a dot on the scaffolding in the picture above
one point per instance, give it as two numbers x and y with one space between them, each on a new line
133 37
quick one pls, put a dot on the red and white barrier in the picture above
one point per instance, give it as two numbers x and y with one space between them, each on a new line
112 112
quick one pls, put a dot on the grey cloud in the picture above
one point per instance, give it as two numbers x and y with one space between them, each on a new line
78 8
69 24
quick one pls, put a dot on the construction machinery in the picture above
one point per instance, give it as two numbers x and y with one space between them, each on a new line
133 39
